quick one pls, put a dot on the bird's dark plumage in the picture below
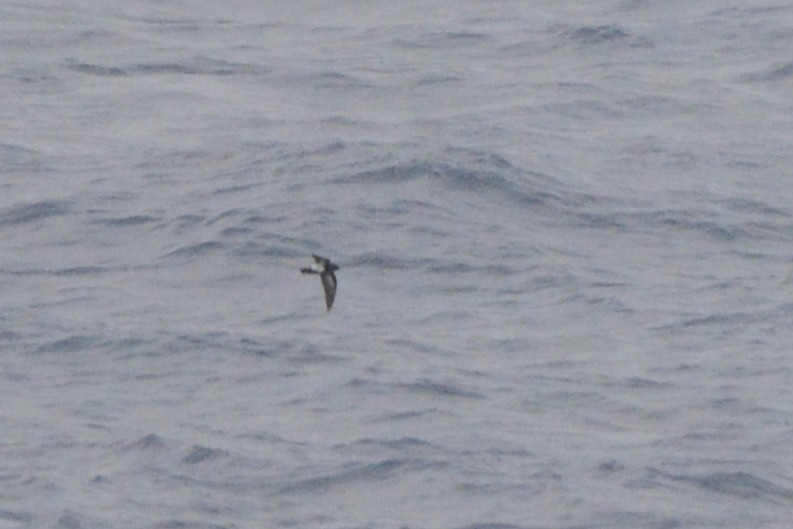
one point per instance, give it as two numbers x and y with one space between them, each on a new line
326 270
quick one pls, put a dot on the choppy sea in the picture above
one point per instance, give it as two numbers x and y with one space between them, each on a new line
565 233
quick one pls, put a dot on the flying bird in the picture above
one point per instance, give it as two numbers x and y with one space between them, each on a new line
325 270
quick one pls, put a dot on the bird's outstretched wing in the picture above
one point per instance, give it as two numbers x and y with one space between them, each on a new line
329 284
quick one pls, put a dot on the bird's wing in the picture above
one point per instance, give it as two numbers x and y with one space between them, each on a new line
320 260
329 284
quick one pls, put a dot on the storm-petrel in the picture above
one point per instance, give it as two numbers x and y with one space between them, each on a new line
325 270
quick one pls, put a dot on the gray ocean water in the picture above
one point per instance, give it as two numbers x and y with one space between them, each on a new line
564 230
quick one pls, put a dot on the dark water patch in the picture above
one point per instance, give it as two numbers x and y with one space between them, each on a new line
74 520
188 221
606 303
71 271
509 345
148 442
430 231
574 397
207 341
494 525
475 181
611 466
229 213
601 35
450 289
390 174
551 282
721 322
13 376
449 268
369 385
631 518
189 524
276 246
280 318
388 262
784 309
242 223
267 438
353 473
733 404
399 207
72 344
474 173
440 389
404 443
499 270
35 211
597 34
15 517
754 256
682 221
423 207
80 271
235 189
306 354
406 415
328 149
437 79
755 207
634 383
443 40
200 454
744 165
259 220
195 250
333 80
9 335
713 230
96 69
131 346
455 38
416 346
750 12
448 315
197 66
710 438
261 349
645 383
234 232
586 110
778 73
132 220
743 485
655 105
166 68
21 160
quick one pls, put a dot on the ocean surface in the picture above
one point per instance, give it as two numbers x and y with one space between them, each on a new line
565 233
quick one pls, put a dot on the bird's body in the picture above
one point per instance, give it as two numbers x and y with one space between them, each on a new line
326 270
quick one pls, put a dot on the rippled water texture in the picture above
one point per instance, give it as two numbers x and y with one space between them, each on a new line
564 234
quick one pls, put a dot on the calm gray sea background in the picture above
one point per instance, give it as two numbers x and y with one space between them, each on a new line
565 232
